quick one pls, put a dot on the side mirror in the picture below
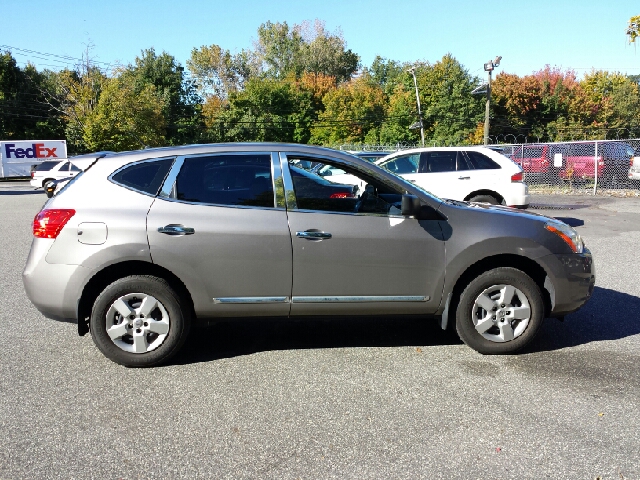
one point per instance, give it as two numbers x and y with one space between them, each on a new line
412 207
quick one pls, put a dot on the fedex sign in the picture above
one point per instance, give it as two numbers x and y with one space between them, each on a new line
33 149
37 150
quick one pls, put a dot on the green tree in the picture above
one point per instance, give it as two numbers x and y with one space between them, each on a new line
451 113
278 48
267 110
305 48
325 53
24 109
126 117
353 113
179 95
217 72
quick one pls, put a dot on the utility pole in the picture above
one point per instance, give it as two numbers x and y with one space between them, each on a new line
489 67
420 122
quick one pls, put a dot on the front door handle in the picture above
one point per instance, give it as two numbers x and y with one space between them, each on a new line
464 178
313 235
176 229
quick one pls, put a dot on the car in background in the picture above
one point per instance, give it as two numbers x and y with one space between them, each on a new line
49 171
370 156
476 174
143 244
634 170
613 161
536 162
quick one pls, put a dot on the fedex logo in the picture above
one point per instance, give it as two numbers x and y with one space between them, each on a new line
37 150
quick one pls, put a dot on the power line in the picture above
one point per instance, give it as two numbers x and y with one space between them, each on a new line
64 57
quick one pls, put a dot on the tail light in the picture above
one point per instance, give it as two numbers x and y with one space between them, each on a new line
49 223
517 177
33 173
341 195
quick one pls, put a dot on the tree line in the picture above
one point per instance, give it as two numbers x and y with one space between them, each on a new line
302 84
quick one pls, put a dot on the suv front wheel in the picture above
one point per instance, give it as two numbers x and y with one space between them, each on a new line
500 311
139 321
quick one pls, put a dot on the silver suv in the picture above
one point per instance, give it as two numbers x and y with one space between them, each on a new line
143 244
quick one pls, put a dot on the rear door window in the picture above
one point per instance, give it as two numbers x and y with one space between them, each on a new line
45 166
146 177
445 161
230 180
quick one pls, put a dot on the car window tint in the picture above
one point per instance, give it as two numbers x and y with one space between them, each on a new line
44 166
462 163
146 177
352 192
234 180
480 161
403 164
439 162
74 168
65 167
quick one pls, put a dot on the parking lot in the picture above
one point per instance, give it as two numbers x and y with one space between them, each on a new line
331 398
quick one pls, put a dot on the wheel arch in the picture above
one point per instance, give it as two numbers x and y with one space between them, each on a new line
116 271
491 193
524 264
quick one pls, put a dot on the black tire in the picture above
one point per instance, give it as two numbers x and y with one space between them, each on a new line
500 276
485 199
45 181
178 318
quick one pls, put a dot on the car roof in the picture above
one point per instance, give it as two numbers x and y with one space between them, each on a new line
409 151
122 158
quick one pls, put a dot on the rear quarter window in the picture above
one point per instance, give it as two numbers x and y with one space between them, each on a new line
145 177
480 161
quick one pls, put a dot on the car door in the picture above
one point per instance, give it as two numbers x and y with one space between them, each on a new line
437 173
482 172
217 226
357 254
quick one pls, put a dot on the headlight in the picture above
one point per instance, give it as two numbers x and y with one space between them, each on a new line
568 234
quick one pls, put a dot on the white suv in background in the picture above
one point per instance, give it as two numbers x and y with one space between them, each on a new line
48 171
476 174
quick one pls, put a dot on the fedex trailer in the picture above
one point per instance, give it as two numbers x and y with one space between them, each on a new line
17 156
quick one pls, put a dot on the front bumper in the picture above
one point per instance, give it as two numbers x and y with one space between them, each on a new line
571 280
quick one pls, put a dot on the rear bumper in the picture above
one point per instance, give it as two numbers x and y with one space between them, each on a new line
516 195
54 289
572 279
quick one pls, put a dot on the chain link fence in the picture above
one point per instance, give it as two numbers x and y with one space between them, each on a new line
583 166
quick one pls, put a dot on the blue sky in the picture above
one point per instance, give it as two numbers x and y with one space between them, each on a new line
576 34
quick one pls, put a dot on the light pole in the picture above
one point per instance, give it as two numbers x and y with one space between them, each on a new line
420 122
488 67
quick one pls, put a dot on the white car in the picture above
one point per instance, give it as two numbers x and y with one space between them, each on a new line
634 171
477 174
48 171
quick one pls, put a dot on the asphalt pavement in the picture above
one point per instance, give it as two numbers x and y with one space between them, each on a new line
331 398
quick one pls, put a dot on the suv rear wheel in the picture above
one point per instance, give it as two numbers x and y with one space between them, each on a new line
500 311
139 321
485 199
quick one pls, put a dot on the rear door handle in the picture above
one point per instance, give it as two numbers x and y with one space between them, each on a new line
175 229
313 235
464 178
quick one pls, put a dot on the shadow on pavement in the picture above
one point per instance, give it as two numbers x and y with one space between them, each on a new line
608 315
572 222
234 337
21 192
